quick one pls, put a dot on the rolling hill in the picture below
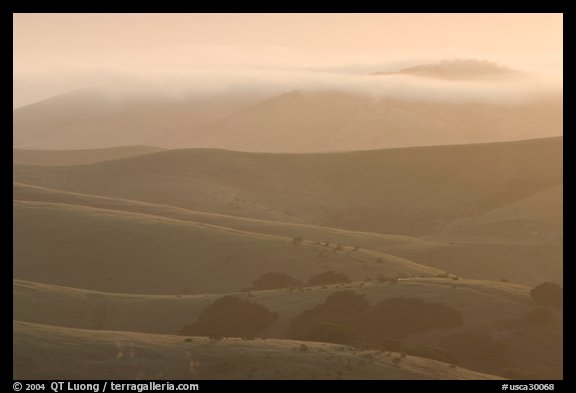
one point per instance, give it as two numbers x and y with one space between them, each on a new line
113 257
119 355
482 303
402 191
376 241
487 307
137 253
489 211
466 246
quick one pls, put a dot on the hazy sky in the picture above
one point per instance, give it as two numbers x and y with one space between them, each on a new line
54 53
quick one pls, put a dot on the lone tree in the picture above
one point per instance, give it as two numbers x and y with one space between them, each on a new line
297 241
275 281
231 316
328 278
548 294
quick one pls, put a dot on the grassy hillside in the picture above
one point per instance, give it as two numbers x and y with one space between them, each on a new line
486 308
77 157
389 243
488 211
481 302
519 238
526 262
45 352
402 191
458 249
137 253
537 216
112 258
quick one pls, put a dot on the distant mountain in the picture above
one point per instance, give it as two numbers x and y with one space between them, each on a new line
296 121
335 121
77 157
89 119
457 69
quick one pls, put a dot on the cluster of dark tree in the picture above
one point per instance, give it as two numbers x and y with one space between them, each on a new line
548 303
275 280
231 316
346 317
